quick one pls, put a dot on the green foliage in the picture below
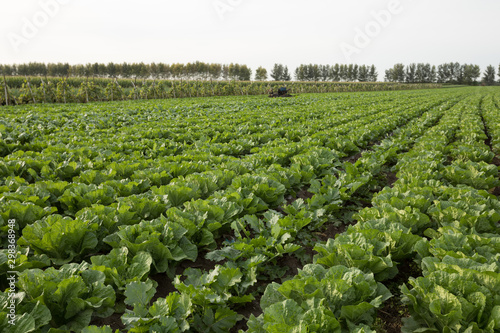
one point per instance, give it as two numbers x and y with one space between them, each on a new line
62 239
453 297
83 90
320 300
163 239
71 295
33 315
369 250
120 270
131 193
480 175
168 314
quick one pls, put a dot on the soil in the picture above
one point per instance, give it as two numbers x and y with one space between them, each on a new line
391 178
389 317
165 286
352 159
309 251
293 264
496 191
331 231
112 321
488 140
252 308
373 143
303 194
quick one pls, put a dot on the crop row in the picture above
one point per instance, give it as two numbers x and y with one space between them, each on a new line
439 212
260 243
107 219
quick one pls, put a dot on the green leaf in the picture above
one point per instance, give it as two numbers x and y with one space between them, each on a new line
283 313
220 322
359 313
139 294
95 329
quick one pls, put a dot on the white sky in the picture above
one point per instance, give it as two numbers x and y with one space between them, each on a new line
252 32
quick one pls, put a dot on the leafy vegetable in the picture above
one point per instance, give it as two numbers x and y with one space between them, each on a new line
62 239
72 294
343 298
164 240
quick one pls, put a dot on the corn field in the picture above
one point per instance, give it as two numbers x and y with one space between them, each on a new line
27 90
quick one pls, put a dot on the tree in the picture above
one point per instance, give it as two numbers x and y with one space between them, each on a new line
343 72
111 69
22 70
234 71
442 73
175 70
286 75
389 75
397 73
300 73
373 75
225 72
470 74
124 71
261 74
411 70
78 71
450 73
7 70
314 72
423 73
363 73
103 72
324 72
489 76
336 72
350 73
154 71
355 73
433 74
277 72
245 73
215 71
163 70
458 74
37 69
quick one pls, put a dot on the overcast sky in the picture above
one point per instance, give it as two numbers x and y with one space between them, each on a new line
252 32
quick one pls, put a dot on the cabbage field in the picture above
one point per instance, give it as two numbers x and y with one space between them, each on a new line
352 212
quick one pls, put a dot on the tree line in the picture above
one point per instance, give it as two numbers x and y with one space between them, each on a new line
194 71
189 71
452 73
